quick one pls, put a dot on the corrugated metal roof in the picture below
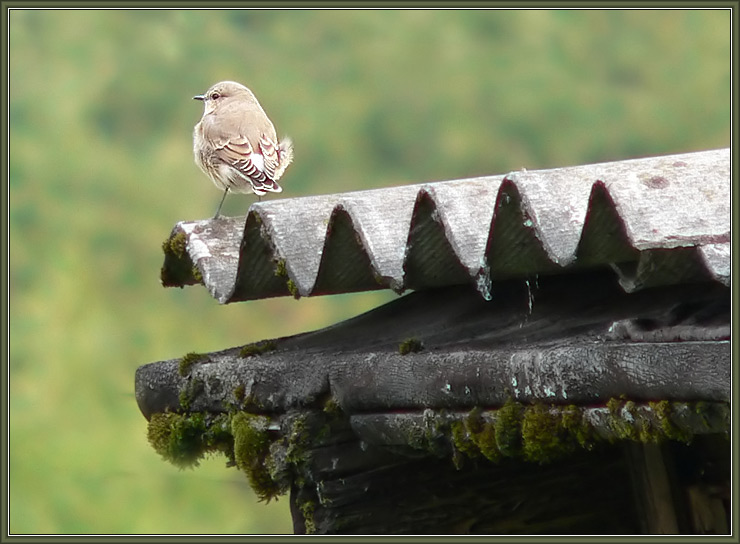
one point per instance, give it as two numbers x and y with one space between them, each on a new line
657 220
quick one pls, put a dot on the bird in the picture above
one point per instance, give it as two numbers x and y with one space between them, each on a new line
235 143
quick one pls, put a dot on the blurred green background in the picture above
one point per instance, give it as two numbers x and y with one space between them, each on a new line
101 169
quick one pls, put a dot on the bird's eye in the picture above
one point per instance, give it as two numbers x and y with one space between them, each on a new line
215 96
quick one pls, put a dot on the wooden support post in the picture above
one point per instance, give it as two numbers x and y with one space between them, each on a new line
708 514
652 485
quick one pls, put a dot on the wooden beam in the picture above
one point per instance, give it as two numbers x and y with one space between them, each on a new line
652 486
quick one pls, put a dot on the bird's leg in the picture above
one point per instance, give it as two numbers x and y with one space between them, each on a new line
226 192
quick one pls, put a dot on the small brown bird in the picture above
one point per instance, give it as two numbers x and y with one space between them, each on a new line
235 143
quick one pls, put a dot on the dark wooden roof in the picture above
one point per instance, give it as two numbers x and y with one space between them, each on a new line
569 339
386 423
554 312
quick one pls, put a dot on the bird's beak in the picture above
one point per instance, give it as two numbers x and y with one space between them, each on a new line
199 97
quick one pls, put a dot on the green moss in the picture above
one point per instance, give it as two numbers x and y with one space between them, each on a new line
331 407
286 462
614 405
307 509
663 411
544 439
628 423
426 435
508 427
486 442
178 268
175 438
197 276
575 424
258 348
281 270
175 245
623 419
536 433
293 289
482 434
218 436
299 440
190 392
184 439
643 430
240 392
410 345
187 362
184 400
462 440
647 432
474 420
251 448
461 443
544 433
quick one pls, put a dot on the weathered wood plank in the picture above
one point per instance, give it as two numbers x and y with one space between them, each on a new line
653 493
574 339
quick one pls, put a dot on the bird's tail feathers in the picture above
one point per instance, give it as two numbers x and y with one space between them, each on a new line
267 186
285 156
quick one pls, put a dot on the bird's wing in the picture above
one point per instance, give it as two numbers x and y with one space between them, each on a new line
269 150
247 144
237 153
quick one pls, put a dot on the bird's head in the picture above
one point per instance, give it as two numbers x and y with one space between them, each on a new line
221 92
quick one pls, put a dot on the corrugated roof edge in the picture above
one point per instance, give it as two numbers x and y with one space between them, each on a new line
657 220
